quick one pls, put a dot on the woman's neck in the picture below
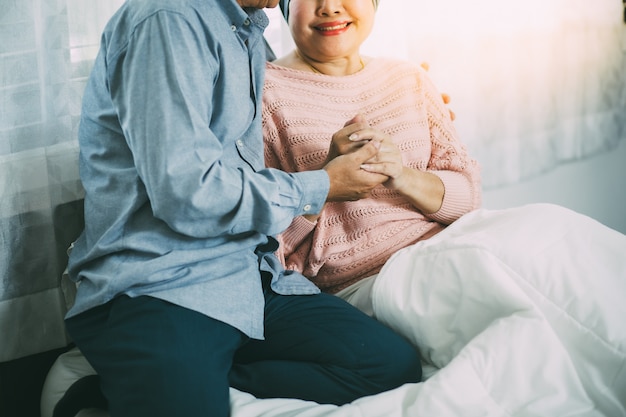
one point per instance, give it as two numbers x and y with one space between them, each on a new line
342 67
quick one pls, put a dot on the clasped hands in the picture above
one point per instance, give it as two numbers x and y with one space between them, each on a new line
359 159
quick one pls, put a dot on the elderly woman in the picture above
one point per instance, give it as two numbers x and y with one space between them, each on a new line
311 97
477 291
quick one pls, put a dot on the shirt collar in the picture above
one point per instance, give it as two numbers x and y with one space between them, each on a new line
246 16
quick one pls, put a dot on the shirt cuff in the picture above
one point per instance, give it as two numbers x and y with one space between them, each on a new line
315 186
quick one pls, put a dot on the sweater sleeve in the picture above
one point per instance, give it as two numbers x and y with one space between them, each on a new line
295 244
449 160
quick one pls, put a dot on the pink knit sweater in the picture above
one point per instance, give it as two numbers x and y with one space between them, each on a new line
352 240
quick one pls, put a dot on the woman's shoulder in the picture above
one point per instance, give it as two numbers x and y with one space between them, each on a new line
393 64
394 70
274 71
280 78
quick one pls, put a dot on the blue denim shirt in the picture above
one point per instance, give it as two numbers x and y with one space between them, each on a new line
178 204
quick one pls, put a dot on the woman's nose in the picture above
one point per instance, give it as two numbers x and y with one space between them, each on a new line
330 7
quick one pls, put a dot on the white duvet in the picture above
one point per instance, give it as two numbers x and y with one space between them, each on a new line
521 310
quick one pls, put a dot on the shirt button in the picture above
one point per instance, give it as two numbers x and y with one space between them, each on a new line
246 22
307 207
240 143
233 28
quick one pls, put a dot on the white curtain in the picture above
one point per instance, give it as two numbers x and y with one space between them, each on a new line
46 51
534 83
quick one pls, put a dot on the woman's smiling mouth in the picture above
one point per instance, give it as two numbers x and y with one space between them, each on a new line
333 28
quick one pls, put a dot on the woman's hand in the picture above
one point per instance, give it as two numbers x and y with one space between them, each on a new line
388 161
423 189
357 132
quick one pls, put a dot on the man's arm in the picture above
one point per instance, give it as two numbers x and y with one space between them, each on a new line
163 89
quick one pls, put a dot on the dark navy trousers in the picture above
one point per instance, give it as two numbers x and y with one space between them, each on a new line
157 359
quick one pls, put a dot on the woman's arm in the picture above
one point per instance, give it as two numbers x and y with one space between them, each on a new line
449 186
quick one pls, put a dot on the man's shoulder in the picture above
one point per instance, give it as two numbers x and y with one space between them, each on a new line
134 13
156 5
141 9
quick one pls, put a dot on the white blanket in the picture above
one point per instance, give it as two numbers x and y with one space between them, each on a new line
522 311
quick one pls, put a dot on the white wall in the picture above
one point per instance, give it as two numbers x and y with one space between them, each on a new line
594 186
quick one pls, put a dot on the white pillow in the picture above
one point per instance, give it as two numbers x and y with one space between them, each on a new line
67 369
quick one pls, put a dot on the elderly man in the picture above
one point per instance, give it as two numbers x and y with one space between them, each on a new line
179 293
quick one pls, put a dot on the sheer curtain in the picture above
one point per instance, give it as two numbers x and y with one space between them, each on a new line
534 83
45 56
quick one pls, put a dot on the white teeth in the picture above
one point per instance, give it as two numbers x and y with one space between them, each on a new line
333 27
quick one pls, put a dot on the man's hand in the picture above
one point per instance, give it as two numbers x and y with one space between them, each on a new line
444 96
348 182
341 144
356 133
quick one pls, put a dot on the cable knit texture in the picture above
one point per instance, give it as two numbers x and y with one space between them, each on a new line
352 240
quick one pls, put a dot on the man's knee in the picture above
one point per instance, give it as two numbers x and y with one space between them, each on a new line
404 364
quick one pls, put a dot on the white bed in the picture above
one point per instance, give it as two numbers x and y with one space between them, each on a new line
520 311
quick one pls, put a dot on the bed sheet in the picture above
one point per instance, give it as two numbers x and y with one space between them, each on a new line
521 310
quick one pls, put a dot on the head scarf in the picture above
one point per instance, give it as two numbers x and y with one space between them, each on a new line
284 7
